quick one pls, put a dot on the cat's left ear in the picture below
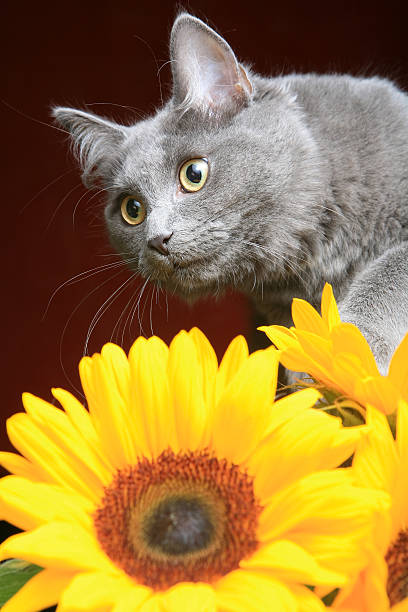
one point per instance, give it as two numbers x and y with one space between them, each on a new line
206 73
96 140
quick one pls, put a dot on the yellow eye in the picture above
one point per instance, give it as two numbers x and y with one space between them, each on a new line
193 174
133 211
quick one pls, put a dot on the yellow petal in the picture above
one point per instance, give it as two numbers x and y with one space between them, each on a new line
81 420
345 554
402 606
289 562
207 359
153 604
41 591
58 426
21 467
108 408
378 391
55 456
347 372
312 440
134 599
312 354
117 363
58 545
398 370
402 428
375 461
307 318
399 511
281 336
189 408
330 313
368 592
78 415
303 506
307 601
348 338
187 597
99 592
244 591
234 357
317 348
27 504
244 410
151 395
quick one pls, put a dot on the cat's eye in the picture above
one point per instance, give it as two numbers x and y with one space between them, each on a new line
193 174
133 211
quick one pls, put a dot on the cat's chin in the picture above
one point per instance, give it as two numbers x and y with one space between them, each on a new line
190 293
186 284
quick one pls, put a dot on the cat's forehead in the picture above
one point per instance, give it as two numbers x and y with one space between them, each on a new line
163 142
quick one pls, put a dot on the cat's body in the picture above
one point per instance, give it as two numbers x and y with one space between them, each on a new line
307 183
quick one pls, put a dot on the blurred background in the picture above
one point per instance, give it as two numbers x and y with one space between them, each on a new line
111 57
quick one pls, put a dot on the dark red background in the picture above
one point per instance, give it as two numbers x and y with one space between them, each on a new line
106 55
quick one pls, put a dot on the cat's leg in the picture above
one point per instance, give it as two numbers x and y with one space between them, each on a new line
377 302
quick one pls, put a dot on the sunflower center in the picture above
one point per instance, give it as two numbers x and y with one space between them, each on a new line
181 517
178 526
397 561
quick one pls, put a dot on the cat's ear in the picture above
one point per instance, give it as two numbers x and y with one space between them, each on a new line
96 140
206 73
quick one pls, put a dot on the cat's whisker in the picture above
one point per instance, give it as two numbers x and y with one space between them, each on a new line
140 317
145 302
49 125
59 206
155 61
102 309
134 309
167 305
138 111
271 254
151 309
74 311
82 276
130 315
116 329
94 195
27 204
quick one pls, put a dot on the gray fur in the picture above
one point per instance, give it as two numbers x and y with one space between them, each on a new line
308 183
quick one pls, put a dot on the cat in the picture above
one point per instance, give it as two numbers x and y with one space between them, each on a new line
272 186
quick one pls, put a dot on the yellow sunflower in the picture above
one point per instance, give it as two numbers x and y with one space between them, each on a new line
183 487
337 355
382 462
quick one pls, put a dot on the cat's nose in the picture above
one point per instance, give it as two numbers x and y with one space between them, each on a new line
159 243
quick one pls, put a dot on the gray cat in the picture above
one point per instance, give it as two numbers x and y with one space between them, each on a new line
269 185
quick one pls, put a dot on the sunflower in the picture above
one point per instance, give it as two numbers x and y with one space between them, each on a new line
337 355
182 487
382 462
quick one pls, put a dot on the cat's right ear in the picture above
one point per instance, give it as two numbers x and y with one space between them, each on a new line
96 140
206 73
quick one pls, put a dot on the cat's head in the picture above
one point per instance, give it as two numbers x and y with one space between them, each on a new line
215 189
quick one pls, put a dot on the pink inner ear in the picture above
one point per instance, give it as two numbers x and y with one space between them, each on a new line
219 72
209 72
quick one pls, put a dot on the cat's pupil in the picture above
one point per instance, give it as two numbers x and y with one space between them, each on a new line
193 173
133 208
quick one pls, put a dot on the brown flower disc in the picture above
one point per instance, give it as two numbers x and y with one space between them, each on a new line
397 561
181 517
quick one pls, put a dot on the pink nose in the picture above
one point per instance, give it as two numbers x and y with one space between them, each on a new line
159 243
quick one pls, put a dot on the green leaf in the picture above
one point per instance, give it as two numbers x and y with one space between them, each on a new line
14 573
330 597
